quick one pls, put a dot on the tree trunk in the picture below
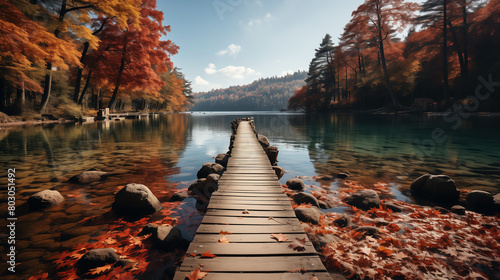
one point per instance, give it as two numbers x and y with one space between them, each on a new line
466 41
48 78
394 99
79 73
446 95
111 104
87 82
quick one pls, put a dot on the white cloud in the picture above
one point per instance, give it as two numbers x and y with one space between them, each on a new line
210 69
199 81
237 72
232 50
257 22
287 72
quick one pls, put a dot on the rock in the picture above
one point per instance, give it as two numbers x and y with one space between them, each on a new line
148 229
496 201
321 241
342 175
209 168
89 176
222 159
323 205
136 199
481 201
364 199
98 257
368 230
202 187
44 199
178 196
296 185
438 188
308 215
272 155
305 198
442 210
395 208
458 209
343 221
264 142
168 238
325 177
213 178
279 171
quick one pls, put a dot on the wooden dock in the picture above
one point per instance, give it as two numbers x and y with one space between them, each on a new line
250 206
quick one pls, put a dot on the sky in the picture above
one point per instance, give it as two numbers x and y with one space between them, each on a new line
234 42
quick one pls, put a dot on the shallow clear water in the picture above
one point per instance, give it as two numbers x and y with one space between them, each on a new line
165 152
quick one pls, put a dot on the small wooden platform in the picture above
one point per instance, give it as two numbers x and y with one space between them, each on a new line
250 206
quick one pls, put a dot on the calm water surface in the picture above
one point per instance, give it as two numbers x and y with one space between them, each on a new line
165 152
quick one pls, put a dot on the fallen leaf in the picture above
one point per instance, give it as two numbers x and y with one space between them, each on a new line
224 232
301 270
245 212
109 241
366 250
279 237
223 240
208 255
298 244
385 250
196 274
314 278
400 256
99 270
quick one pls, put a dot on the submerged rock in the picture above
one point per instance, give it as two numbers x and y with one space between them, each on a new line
98 257
364 199
458 209
437 188
136 199
308 215
296 185
481 201
395 208
168 238
305 198
178 196
45 199
89 176
209 168
203 187
325 177
343 175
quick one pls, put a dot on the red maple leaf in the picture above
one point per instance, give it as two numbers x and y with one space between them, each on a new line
208 255
196 274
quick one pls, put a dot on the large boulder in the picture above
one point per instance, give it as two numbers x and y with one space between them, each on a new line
213 178
203 187
279 171
168 238
264 142
480 201
458 209
44 199
89 176
305 198
222 159
437 188
364 199
178 196
136 199
98 257
496 201
209 168
308 215
296 185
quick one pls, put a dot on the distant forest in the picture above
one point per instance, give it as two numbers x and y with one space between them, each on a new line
266 94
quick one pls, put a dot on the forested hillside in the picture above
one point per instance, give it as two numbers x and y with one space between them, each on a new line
448 60
261 95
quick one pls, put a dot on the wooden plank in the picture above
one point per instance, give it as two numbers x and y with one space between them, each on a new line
246 238
248 195
234 229
248 249
248 220
249 207
249 198
255 264
250 202
258 276
239 213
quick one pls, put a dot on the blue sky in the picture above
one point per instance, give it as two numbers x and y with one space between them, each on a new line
233 42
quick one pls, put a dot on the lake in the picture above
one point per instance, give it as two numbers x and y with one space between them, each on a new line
164 152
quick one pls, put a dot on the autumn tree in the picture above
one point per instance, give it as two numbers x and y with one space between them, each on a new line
383 18
24 44
132 58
